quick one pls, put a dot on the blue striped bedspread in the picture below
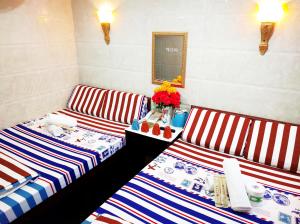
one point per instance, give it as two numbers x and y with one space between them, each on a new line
171 190
57 161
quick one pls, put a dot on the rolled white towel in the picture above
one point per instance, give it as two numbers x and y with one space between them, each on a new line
239 200
54 130
61 120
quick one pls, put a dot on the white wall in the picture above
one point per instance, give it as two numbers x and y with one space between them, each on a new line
38 63
224 68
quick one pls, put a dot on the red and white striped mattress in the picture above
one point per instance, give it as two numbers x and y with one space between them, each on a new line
170 190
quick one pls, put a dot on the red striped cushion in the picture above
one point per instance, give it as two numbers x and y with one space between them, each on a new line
216 130
122 106
87 99
273 143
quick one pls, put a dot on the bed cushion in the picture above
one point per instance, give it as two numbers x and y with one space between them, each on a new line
97 124
123 106
171 190
13 175
58 160
87 99
274 143
223 132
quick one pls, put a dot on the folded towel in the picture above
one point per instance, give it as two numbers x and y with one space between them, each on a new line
239 200
13 175
61 120
55 130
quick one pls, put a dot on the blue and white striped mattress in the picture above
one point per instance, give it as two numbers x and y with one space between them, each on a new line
170 190
57 161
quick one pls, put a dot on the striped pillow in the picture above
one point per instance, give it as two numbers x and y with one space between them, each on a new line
87 100
273 143
122 106
223 132
13 175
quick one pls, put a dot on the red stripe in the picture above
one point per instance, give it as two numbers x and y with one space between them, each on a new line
135 100
101 98
107 95
116 105
88 90
124 96
202 127
212 129
194 123
270 179
94 119
80 98
111 100
101 105
284 144
271 144
296 153
129 102
240 144
107 220
73 99
48 182
209 154
90 101
14 168
97 124
221 132
231 134
7 178
259 141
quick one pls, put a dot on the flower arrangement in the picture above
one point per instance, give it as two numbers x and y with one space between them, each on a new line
166 95
178 79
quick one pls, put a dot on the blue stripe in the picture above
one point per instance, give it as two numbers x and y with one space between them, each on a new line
142 209
93 153
124 210
173 205
46 175
58 152
3 218
40 189
29 198
48 149
14 205
41 158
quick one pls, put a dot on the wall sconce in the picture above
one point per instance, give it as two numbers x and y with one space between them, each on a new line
105 18
270 12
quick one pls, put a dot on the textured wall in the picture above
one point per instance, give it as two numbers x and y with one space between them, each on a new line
38 64
224 68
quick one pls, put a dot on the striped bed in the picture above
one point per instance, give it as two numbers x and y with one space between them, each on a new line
58 162
170 190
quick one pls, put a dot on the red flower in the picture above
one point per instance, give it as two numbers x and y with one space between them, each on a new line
166 99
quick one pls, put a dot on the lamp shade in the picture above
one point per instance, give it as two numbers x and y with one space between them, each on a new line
105 14
270 11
